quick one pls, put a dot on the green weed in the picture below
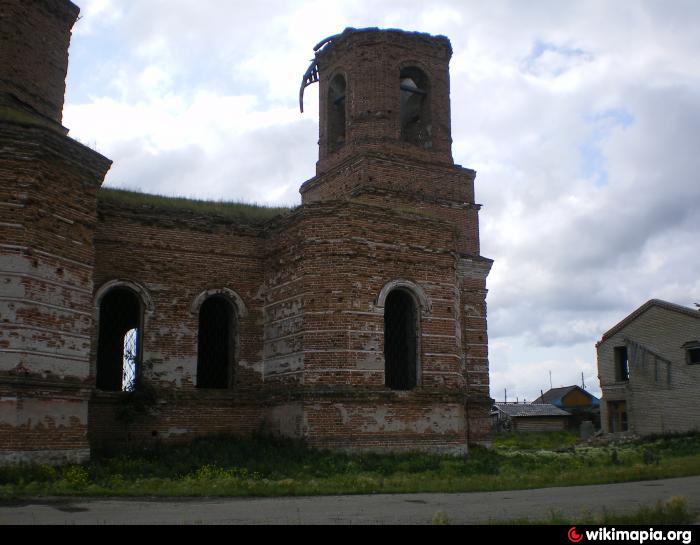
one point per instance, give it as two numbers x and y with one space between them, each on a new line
263 466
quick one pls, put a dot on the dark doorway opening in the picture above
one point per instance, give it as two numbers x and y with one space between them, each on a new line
118 344
215 347
400 341
617 416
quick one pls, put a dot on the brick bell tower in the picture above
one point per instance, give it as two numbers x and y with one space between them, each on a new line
384 90
385 141
48 187
386 94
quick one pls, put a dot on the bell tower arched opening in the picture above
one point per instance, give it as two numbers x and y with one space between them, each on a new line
416 125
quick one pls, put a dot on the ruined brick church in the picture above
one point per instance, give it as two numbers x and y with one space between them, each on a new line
356 320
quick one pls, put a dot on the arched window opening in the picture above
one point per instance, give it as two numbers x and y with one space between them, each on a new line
400 341
415 108
215 347
336 113
118 344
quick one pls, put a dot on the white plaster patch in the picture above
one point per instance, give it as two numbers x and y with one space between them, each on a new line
284 364
14 264
175 432
171 370
288 420
257 366
344 416
370 361
39 413
49 457
47 365
438 420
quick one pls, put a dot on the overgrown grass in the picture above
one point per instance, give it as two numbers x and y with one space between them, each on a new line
672 511
535 440
268 467
225 209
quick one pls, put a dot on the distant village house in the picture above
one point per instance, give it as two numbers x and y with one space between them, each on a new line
529 417
582 405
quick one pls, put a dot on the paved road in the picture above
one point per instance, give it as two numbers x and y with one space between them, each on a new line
469 508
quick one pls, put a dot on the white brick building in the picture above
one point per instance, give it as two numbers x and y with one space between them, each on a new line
649 371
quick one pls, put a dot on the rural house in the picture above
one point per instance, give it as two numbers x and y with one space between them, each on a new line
529 417
581 404
649 370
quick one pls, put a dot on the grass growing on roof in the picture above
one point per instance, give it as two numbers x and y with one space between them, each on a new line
226 209
260 466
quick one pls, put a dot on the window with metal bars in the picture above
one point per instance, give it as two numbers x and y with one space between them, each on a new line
216 343
118 344
130 362
400 341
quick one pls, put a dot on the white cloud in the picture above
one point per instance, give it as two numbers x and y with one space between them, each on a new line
96 12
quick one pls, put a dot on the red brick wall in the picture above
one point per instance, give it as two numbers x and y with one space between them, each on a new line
379 211
371 61
178 415
176 256
313 328
43 421
384 171
34 38
47 220
48 211
381 422
307 285
351 252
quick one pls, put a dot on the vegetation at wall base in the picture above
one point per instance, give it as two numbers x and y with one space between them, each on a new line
264 466
535 440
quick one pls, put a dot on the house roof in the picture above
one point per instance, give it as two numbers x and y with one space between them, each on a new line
646 306
555 395
530 409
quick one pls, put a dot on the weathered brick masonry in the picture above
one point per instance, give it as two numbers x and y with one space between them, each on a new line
34 39
355 321
48 213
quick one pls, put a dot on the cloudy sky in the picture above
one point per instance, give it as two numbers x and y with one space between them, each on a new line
582 120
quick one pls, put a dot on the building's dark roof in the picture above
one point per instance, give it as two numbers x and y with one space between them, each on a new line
555 395
530 409
646 306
